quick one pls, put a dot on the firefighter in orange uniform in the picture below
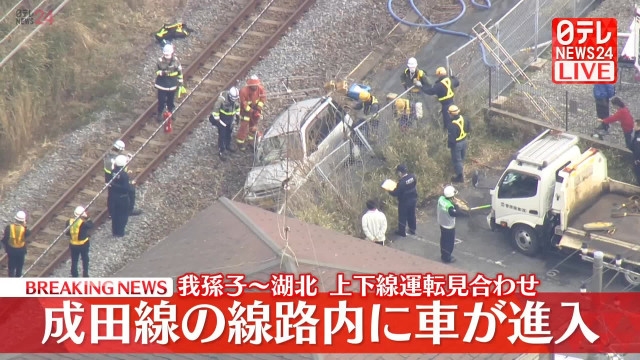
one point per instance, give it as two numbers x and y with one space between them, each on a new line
252 99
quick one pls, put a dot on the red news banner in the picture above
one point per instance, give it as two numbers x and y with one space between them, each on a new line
376 313
584 50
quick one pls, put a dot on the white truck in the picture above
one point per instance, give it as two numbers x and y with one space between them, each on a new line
551 189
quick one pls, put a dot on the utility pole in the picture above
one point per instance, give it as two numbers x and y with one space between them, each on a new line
596 286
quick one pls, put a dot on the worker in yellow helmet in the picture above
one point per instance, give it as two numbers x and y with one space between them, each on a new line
369 106
402 112
458 133
443 89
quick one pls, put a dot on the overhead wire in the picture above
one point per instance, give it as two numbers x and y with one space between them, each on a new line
149 139
18 25
11 11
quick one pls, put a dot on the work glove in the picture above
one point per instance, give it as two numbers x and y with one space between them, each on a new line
417 83
256 114
181 91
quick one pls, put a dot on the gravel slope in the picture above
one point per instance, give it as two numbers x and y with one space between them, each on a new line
331 39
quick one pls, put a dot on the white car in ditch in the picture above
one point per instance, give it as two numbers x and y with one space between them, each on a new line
311 135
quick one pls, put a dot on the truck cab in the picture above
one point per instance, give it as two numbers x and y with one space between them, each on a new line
551 192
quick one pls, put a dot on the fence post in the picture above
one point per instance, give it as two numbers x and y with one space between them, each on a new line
490 86
566 110
574 8
596 286
536 25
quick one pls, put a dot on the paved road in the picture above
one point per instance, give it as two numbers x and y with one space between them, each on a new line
480 250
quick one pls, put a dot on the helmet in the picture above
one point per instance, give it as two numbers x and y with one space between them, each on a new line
21 216
364 96
441 71
412 64
253 81
450 191
79 211
121 160
119 145
454 110
167 51
401 105
233 94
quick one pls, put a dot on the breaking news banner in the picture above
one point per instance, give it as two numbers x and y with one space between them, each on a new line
584 50
361 313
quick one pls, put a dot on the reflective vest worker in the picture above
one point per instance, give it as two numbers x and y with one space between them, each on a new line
78 233
413 76
168 79
443 89
14 242
368 103
458 133
402 110
252 100
446 213
226 110
169 32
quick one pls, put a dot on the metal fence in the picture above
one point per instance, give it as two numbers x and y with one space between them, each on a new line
524 32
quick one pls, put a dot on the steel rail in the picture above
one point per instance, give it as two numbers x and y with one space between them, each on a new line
195 121
137 125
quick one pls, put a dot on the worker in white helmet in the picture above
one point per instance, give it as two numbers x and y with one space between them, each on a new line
446 213
109 164
78 232
226 111
168 80
412 76
15 243
457 141
121 188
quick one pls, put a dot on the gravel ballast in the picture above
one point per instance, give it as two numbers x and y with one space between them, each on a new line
330 40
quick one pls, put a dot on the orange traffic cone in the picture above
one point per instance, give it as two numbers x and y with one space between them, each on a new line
167 126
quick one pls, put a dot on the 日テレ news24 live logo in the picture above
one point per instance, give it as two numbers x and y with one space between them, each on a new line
584 50
34 17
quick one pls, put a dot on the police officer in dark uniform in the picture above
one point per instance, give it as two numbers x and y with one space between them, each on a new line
407 196
443 89
15 244
121 189
109 164
226 110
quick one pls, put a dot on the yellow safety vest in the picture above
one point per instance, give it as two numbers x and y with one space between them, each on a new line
460 123
75 232
418 75
447 84
16 236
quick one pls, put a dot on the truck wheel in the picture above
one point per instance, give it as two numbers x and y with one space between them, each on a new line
633 280
525 240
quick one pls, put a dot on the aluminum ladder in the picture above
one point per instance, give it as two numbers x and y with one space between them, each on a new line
511 67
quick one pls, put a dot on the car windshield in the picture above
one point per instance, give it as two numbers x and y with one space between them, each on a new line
278 148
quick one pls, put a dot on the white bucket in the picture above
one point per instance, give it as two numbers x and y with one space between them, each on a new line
419 110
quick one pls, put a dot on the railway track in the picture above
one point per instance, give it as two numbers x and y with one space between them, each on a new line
256 29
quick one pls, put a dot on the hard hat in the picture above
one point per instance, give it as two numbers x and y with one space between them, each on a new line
79 211
167 50
453 109
119 145
233 94
412 64
364 96
441 71
253 81
401 104
121 160
21 216
450 191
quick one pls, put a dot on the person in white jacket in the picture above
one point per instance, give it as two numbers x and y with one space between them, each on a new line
374 224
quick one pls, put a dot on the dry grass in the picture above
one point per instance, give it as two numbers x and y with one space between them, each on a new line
340 207
69 70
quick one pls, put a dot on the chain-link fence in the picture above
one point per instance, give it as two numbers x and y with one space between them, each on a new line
524 33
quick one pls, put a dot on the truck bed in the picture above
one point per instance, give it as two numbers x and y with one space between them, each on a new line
627 228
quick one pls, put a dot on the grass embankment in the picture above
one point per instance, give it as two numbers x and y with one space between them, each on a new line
71 69
424 152
492 143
